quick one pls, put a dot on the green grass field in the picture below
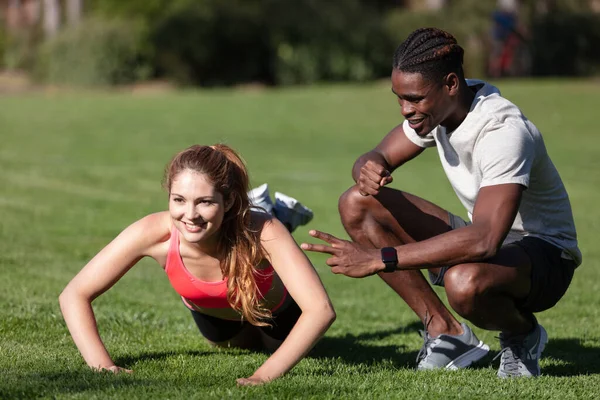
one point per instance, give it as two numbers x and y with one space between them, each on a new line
76 168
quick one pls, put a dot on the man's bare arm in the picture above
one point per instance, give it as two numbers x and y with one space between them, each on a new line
493 216
373 169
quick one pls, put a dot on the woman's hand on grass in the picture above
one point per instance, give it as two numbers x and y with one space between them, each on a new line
251 381
115 369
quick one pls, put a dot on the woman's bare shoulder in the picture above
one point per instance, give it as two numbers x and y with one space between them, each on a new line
153 229
268 227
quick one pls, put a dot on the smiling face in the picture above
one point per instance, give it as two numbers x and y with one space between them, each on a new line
425 103
196 207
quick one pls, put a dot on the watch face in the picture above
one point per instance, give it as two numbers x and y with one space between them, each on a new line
388 254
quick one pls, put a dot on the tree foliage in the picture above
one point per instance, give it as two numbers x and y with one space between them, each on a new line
225 42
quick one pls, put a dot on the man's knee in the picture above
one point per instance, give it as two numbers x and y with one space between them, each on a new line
352 207
464 284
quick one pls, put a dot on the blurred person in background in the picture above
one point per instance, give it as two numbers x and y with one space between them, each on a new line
508 53
517 253
237 269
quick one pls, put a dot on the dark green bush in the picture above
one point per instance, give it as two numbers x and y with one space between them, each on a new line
215 42
226 42
566 44
212 43
469 21
96 52
333 41
19 49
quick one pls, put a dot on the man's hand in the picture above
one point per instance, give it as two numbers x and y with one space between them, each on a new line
348 258
372 178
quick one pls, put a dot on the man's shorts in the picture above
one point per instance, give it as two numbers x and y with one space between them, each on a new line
551 273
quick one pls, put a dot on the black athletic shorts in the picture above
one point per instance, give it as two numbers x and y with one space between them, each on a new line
551 274
219 330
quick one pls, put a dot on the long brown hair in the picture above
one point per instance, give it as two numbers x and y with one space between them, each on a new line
240 243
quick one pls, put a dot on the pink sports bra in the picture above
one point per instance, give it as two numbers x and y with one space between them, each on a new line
206 294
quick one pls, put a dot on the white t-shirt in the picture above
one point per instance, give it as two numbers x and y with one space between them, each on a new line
497 144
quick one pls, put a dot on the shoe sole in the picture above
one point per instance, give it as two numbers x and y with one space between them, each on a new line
468 358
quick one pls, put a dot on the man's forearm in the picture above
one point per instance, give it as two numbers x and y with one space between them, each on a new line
468 244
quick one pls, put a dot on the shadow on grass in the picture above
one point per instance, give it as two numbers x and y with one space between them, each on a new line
567 357
130 360
355 349
65 383
84 380
576 359
571 356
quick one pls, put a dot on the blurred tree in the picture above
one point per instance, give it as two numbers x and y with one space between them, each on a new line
19 15
51 17
467 20
97 52
315 40
212 42
383 6
74 11
21 32
148 11
224 42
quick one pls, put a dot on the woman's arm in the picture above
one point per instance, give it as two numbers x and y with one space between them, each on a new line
99 275
305 287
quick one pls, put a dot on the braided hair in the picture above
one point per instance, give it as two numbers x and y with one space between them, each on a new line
431 52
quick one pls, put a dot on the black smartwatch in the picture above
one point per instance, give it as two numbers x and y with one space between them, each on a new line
389 256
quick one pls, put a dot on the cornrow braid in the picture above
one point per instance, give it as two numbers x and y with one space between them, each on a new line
431 52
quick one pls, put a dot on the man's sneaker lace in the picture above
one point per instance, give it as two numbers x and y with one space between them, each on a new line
520 355
450 352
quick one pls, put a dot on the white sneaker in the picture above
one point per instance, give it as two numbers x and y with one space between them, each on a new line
260 199
291 212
